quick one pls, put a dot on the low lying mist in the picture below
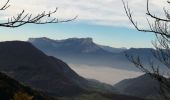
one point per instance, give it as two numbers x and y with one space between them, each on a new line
104 74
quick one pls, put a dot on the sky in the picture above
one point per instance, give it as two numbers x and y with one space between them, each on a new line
103 20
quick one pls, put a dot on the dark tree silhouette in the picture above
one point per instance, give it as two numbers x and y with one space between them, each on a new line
160 26
24 18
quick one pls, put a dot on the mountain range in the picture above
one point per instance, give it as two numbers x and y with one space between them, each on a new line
85 51
25 63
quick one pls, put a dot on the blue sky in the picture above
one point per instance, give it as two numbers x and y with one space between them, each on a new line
104 21
106 35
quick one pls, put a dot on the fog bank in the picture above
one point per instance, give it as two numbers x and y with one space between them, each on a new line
104 74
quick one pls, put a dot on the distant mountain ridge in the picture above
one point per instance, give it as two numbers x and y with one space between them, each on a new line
78 45
85 51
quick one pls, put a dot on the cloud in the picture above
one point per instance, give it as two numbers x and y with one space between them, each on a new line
100 12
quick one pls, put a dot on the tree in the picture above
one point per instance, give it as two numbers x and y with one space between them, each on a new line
160 26
24 18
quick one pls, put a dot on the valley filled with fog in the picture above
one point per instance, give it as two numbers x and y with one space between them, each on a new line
104 74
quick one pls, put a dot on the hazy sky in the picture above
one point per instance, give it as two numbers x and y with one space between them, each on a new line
103 20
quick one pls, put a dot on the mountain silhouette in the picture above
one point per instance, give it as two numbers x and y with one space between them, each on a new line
31 67
86 52
142 86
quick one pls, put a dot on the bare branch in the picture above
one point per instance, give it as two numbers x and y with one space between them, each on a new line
5 5
154 28
25 18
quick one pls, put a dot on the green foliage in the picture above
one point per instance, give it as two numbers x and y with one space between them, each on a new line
22 96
